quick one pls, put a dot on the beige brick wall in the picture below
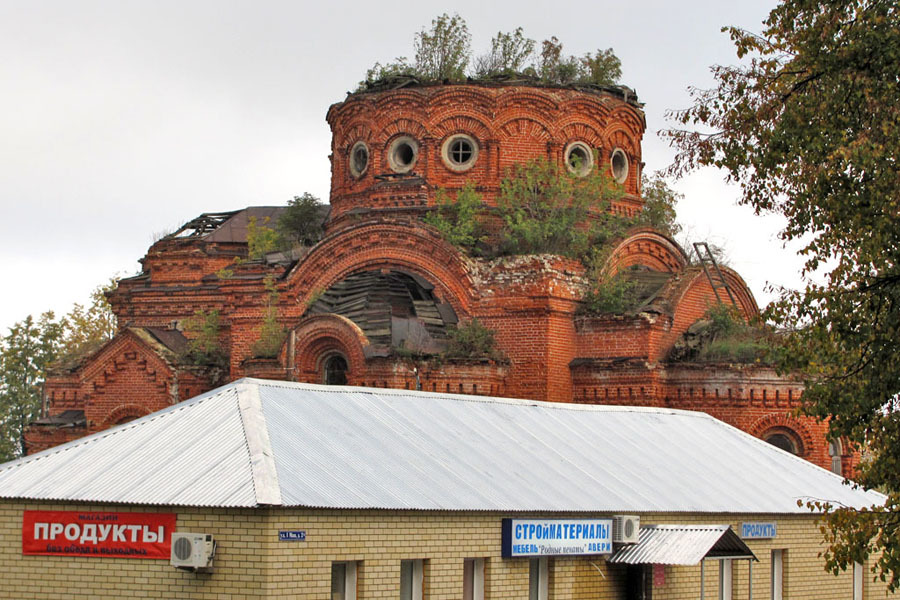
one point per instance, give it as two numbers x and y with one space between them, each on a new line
252 563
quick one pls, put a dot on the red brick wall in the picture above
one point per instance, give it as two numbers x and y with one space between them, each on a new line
530 302
510 124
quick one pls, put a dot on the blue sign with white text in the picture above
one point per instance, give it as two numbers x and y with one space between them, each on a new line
758 531
292 536
556 537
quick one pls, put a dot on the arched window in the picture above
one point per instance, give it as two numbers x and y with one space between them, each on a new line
835 452
335 370
784 441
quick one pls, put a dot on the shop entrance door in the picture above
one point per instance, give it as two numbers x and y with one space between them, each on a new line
639 582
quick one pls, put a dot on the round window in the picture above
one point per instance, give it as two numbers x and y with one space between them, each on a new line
402 154
579 158
459 152
619 165
359 159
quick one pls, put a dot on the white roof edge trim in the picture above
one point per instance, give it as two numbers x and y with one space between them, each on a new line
262 459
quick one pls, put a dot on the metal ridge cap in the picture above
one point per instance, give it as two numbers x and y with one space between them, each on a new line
262 458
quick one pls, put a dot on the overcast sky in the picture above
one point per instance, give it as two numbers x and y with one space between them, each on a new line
120 120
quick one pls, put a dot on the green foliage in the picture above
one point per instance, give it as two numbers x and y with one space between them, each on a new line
459 220
301 221
26 352
262 239
545 209
204 348
379 72
271 332
601 68
88 328
508 56
809 126
732 339
443 52
609 296
472 340
659 206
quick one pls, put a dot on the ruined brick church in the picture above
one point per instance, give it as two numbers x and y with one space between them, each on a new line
381 281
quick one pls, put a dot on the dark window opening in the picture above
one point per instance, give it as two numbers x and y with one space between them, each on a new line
578 158
404 154
336 370
781 440
461 151
360 159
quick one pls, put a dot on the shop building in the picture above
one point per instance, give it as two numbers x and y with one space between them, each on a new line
312 491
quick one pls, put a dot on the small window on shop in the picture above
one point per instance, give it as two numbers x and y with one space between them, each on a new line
359 159
579 158
343 580
538 578
473 579
777 574
335 368
459 152
619 163
402 154
412 575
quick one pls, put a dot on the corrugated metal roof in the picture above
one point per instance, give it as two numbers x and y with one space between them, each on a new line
682 545
194 453
346 447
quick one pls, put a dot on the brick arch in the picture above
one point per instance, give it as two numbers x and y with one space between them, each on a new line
697 289
537 103
450 99
348 111
581 108
355 132
648 248
516 125
578 130
401 101
386 246
784 422
401 126
624 116
317 336
122 412
462 123
619 137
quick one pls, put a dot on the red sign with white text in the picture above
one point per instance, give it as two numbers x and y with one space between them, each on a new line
97 534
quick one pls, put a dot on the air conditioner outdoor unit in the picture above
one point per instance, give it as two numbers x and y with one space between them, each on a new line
626 529
192 550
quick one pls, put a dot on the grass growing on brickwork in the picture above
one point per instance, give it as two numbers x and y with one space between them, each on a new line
611 296
204 347
542 209
271 333
724 336
472 340
545 209
444 55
